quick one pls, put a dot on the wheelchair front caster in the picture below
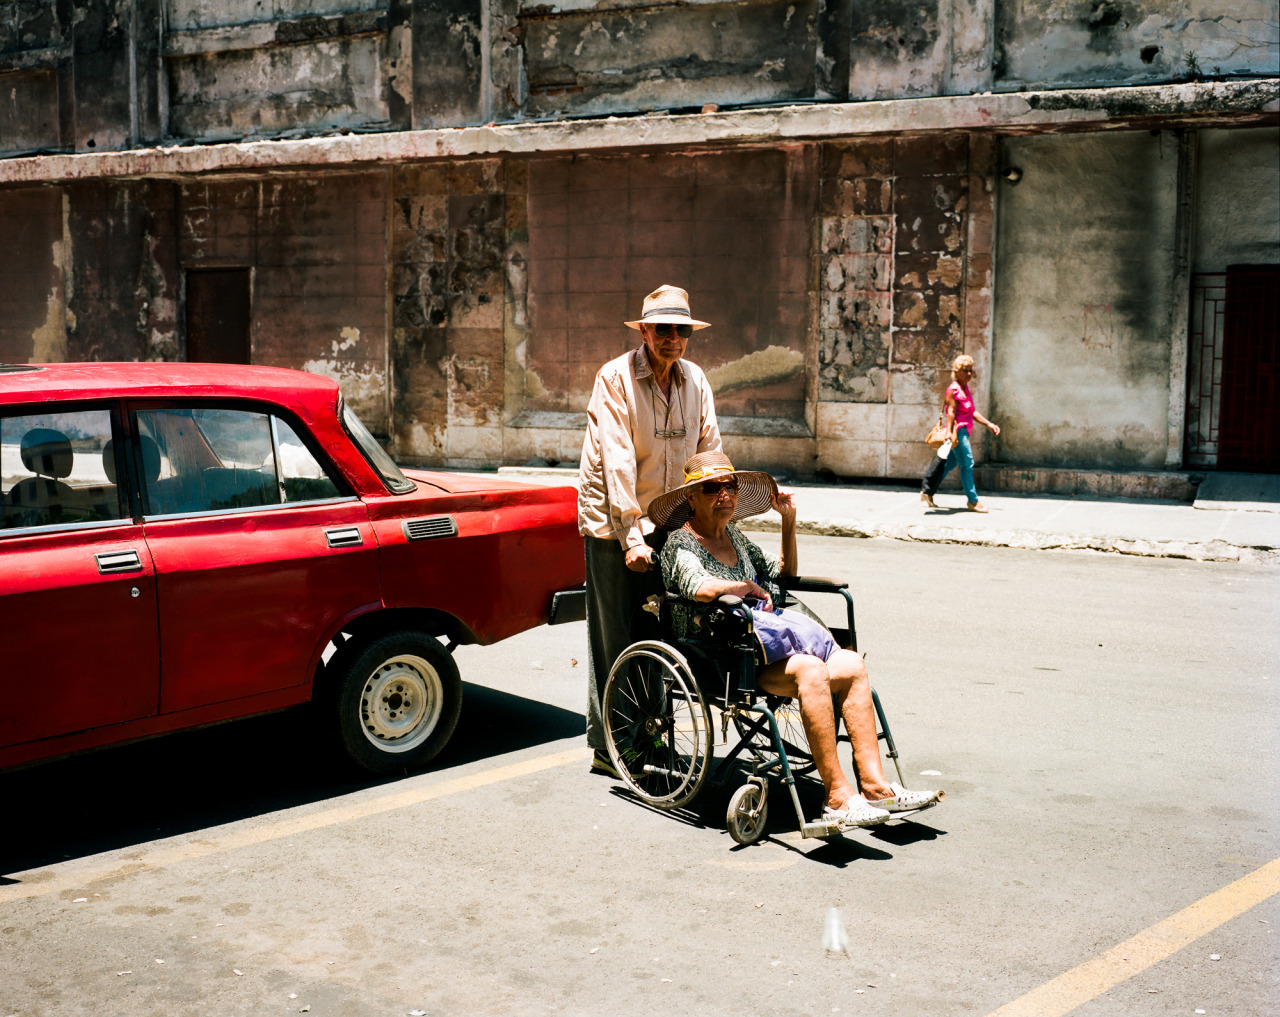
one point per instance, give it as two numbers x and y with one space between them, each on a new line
748 811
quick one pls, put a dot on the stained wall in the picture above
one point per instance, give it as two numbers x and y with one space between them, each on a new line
1083 339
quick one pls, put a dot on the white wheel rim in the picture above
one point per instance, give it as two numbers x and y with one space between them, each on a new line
401 703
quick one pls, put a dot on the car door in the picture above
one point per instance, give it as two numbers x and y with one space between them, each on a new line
259 550
78 626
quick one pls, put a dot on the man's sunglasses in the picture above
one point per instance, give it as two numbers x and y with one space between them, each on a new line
664 331
712 488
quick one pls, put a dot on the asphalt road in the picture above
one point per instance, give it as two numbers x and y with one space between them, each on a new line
1105 728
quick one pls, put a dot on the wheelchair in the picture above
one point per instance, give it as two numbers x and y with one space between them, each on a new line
658 705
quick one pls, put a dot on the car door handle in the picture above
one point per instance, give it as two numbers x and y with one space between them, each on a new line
118 561
344 536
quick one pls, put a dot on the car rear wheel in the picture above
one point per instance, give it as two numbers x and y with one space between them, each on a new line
398 701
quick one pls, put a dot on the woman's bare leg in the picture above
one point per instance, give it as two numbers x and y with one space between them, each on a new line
852 688
806 678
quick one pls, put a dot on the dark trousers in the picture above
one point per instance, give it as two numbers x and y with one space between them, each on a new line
614 596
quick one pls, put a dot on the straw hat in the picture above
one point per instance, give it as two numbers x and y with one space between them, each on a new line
755 490
667 305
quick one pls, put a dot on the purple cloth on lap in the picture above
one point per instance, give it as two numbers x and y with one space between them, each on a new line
782 634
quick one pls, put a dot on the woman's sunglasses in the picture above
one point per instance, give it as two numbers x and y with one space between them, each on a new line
664 331
712 488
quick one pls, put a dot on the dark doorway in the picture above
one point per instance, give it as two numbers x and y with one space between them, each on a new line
1249 430
218 316
1233 397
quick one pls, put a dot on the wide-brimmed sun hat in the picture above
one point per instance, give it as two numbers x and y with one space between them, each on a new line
667 305
755 490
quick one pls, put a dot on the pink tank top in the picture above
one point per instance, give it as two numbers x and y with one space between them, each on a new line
964 406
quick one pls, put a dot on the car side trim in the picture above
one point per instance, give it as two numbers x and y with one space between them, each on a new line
156 517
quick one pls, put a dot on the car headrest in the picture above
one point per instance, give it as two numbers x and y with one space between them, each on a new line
47 453
150 459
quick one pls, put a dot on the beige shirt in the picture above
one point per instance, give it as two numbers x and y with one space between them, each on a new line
625 465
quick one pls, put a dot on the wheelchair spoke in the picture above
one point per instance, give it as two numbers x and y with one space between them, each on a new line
657 725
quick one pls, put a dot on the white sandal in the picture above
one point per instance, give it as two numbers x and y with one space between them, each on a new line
903 800
857 811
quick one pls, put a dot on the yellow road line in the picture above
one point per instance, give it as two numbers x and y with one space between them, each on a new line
73 875
1147 948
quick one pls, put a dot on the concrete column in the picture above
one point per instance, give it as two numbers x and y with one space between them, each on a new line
1179 304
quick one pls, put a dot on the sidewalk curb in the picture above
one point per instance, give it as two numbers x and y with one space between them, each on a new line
1213 550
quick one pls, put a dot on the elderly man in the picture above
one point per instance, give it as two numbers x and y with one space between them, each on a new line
650 411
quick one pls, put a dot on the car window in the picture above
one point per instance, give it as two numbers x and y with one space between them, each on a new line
207 460
212 459
58 469
304 479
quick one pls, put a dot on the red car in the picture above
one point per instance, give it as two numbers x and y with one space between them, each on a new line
182 544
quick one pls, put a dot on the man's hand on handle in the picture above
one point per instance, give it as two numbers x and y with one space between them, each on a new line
639 558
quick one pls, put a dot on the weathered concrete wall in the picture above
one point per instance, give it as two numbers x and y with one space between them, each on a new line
106 75
1237 199
35 265
660 57
123 303
1043 43
732 228
905 276
317 248
906 48
309 74
1081 337
448 244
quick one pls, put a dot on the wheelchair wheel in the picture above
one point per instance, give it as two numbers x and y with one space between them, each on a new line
657 726
748 811
787 713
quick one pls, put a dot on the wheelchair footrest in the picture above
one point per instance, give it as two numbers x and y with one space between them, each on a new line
821 828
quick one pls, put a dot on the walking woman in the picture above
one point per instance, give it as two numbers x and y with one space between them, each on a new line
960 417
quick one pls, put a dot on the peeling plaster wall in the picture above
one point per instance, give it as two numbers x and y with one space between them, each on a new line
34 264
905 276
317 249
278 89
1043 43
1082 343
603 61
448 242
105 75
124 302
1237 199
906 48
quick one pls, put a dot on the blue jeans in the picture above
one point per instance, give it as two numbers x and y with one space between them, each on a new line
961 453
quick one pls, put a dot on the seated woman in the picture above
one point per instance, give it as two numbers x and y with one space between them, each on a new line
706 556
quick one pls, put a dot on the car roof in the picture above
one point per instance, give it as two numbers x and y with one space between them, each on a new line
152 380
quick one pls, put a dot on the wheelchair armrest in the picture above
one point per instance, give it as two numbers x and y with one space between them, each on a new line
811 584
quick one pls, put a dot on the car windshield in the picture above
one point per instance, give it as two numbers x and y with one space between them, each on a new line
377 456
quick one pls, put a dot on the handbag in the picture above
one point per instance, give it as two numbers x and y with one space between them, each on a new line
937 433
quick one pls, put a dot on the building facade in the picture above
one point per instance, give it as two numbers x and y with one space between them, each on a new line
452 206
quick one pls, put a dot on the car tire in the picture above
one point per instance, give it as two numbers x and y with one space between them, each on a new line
397 702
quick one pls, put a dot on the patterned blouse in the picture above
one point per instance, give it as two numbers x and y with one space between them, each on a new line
686 564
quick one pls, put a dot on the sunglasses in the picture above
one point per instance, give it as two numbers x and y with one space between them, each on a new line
711 488
664 331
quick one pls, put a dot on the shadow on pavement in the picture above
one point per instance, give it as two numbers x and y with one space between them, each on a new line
707 811
193 780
